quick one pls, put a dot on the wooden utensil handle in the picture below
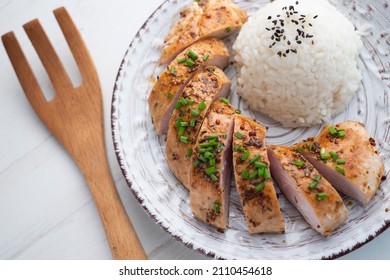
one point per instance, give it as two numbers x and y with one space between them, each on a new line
120 233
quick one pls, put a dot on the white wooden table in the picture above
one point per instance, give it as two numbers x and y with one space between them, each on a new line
46 209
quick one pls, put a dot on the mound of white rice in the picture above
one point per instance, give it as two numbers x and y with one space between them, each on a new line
297 61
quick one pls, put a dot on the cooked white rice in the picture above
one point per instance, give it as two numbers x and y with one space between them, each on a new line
306 87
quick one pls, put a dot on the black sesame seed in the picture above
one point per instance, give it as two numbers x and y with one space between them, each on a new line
279 53
309 36
269 17
315 16
278 16
294 50
268 29
310 24
299 42
288 43
287 51
296 3
291 8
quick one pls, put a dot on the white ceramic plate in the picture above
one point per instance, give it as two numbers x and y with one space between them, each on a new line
141 153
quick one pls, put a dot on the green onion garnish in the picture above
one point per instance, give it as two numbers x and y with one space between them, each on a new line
202 150
205 57
211 70
341 133
322 151
194 113
183 124
216 207
219 147
190 62
202 158
334 155
313 185
184 139
192 54
212 137
321 196
202 106
299 163
181 60
253 160
228 29
236 147
246 155
181 130
208 144
178 105
183 101
239 135
266 174
213 177
317 178
253 174
224 136
332 130
196 162
212 162
189 152
224 100
169 95
310 146
341 161
260 164
172 70
324 156
300 150
260 172
211 170
208 154
238 111
259 187
192 122
245 174
340 169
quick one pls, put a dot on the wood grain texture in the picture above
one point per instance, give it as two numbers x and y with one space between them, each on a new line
75 117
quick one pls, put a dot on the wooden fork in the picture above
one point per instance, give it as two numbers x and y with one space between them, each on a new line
75 117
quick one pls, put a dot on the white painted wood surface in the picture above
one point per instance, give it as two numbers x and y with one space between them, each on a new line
46 209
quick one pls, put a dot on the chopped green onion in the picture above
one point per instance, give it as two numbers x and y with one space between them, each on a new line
332 130
246 155
317 178
211 170
211 70
181 131
189 152
205 57
313 185
239 135
236 147
202 150
219 147
181 60
300 150
310 146
216 207
172 70
245 174
213 177
260 172
253 160
202 158
208 144
192 54
208 154
341 133
322 151
194 113
202 106
169 95
190 62
260 164
238 111
178 122
324 156
192 122
266 174
259 187
334 155
340 169
184 139
212 162
228 29
253 174
224 100
341 161
210 137
196 162
178 105
224 136
183 124
321 196
299 163
183 101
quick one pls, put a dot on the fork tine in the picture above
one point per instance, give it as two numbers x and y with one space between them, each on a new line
77 45
23 70
48 55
